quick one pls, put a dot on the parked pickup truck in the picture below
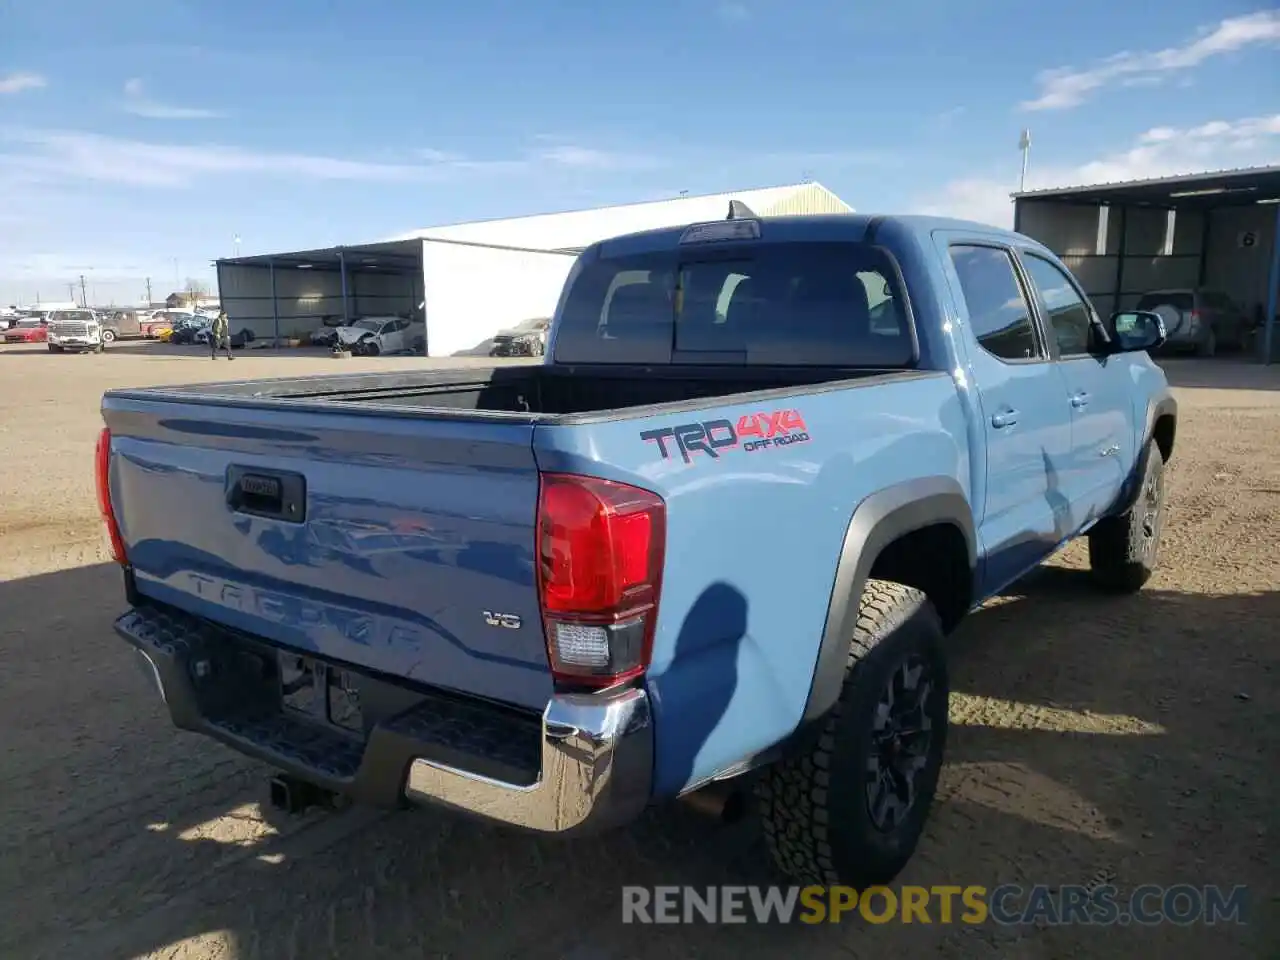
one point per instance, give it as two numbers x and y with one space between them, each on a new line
78 330
709 547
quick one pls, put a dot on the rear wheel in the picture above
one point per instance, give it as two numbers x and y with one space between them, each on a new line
1208 347
851 809
54 349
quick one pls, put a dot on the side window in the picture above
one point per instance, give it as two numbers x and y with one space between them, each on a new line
998 311
1067 315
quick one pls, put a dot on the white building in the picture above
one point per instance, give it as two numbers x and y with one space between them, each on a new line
52 305
470 280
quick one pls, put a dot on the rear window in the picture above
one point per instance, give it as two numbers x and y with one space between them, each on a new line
804 304
1179 301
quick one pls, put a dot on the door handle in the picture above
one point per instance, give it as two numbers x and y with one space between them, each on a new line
1080 400
1005 418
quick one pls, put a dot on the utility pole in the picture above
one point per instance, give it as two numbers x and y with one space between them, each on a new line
1024 144
84 297
148 291
237 244
71 292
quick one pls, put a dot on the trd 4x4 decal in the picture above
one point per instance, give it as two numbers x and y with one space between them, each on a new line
755 431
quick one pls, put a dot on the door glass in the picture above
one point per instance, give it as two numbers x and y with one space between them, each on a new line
998 312
1066 312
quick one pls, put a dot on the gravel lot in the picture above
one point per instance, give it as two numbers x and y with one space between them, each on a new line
1128 739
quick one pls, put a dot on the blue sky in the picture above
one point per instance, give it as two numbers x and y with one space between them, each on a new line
137 138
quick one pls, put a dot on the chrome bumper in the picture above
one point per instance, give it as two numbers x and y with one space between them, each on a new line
597 763
593 769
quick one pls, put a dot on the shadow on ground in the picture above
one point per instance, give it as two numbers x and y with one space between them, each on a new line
151 348
1094 736
1220 373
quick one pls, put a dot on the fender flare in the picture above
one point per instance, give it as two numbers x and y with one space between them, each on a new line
877 521
1161 406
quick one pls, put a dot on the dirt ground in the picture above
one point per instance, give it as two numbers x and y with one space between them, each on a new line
1129 739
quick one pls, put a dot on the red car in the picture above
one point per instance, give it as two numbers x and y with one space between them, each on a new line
27 331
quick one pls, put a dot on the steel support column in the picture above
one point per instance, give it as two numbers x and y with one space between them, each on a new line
342 269
1120 248
1206 217
275 304
1273 292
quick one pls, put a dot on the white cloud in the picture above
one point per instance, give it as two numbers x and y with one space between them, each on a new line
139 104
1069 87
733 11
71 155
946 118
1158 152
45 156
438 156
18 82
588 158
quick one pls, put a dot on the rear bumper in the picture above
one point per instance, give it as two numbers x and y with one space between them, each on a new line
586 766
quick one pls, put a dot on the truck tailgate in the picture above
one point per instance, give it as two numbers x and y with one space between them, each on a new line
403 545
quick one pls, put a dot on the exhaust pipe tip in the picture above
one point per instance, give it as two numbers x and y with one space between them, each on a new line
295 795
726 805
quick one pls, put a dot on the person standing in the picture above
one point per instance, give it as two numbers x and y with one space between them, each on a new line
220 336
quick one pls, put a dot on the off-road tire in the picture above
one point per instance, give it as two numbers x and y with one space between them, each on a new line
814 807
1124 549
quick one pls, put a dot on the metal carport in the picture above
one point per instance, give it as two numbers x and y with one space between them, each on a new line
285 295
1219 229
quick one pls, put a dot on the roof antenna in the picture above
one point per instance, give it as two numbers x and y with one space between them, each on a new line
740 211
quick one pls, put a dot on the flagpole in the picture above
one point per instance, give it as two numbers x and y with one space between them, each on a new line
1024 144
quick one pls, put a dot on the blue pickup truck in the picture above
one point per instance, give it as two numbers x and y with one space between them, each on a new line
710 546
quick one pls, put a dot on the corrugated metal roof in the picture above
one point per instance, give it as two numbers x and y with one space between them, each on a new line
1230 173
806 198
579 228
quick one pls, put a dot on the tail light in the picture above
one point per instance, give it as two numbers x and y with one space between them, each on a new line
102 475
601 547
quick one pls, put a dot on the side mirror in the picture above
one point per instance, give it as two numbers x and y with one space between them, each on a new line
1134 330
